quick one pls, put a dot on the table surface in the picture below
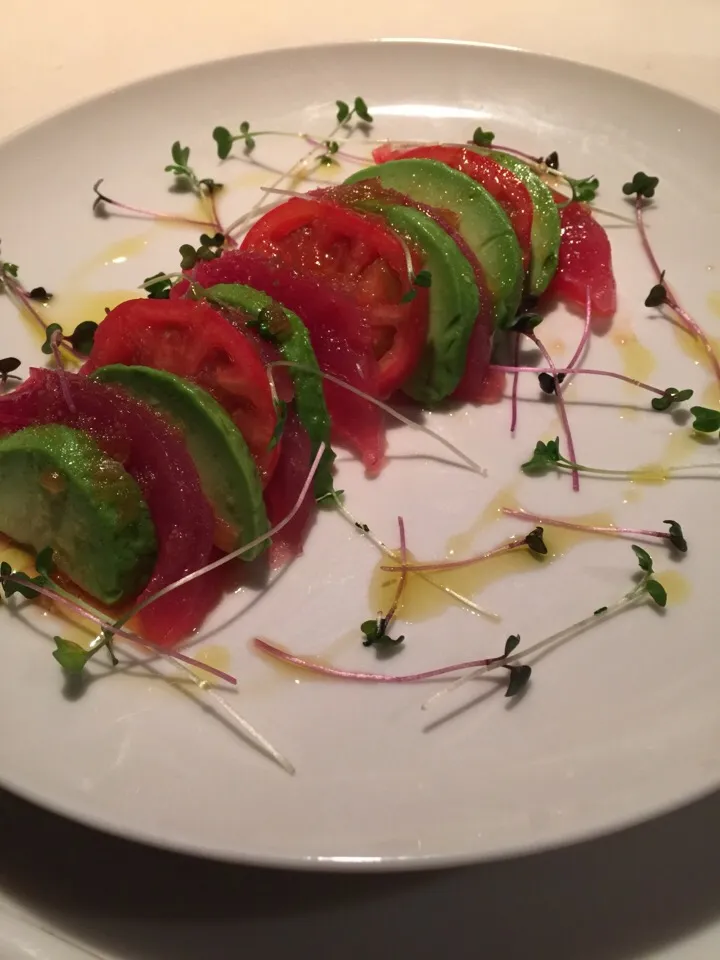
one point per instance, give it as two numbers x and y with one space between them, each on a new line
651 891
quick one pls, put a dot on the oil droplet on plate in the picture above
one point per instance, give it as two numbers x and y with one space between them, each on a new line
637 360
676 584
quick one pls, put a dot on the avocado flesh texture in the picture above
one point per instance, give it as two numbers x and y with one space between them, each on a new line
454 305
483 223
545 230
58 489
295 347
227 471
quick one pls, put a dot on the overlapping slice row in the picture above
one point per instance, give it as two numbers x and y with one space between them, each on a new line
193 425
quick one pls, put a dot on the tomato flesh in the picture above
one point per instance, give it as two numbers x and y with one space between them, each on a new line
360 255
194 341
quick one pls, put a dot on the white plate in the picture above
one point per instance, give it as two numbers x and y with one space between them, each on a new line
617 725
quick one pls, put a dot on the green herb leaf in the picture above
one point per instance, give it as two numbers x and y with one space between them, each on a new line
657 591
70 655
361 110
706 420
180 155
511 643
423 278
281 409
224 141
40 294
584 191
644 558
160 290
188 256
552 160
641 185
374 632
670 396
44 563
482 138
21 583
83 337
343 111
10 270
519 676
545 456
658 296
7 366
526 322
50 331
549 383
535 541
676 536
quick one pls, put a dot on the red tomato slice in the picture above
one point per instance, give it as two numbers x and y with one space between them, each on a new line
502 184
584 263
194 341
360 255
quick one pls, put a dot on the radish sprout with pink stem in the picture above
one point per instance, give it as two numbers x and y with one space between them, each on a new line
643 187
533 541
579 354
646 587
375 631
674 535
102 199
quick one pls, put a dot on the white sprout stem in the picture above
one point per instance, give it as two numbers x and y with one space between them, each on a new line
383 548
556 638
382 406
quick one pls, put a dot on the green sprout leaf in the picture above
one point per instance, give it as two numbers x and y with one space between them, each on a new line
670 396
526 322
360 108
644 558
44 563
545 456
8 365
676 536
180 154
422 278
536 542
40 294
641 185
224 141
216 241
600 611
584 191
21 583
374 631
552 160
160 289
83 337
518 680
343 111
188 256
50 331
71 656
658 295
706 420
657 591
511 643
10 270
482 138
549 383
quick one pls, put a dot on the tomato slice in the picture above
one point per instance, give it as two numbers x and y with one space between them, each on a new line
500 183
194 341
359 254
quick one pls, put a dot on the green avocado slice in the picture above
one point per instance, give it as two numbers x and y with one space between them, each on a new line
292 340
545 230
58 489
454 305
227 471
483 223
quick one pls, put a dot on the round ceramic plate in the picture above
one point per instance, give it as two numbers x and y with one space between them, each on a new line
614 726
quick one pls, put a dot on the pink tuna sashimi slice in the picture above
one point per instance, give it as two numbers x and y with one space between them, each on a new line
478 384
156 456
585 261
284 488
340 337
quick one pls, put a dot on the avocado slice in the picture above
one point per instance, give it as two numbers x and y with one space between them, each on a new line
483 223
58 489
545 230
289 334
227 471
454 304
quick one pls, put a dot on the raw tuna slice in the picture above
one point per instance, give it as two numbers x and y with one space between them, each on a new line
501 183
156 456
340 337
585 261
284 489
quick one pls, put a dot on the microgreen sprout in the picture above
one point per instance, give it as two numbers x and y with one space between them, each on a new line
670 396
185 175
7 367
705 419
209 249
331 148
102 200
646 587
158 286
674 535
482 138
375 633
552 160
641 185
345 113
423 278
40 294
81 339
224 140
534 541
